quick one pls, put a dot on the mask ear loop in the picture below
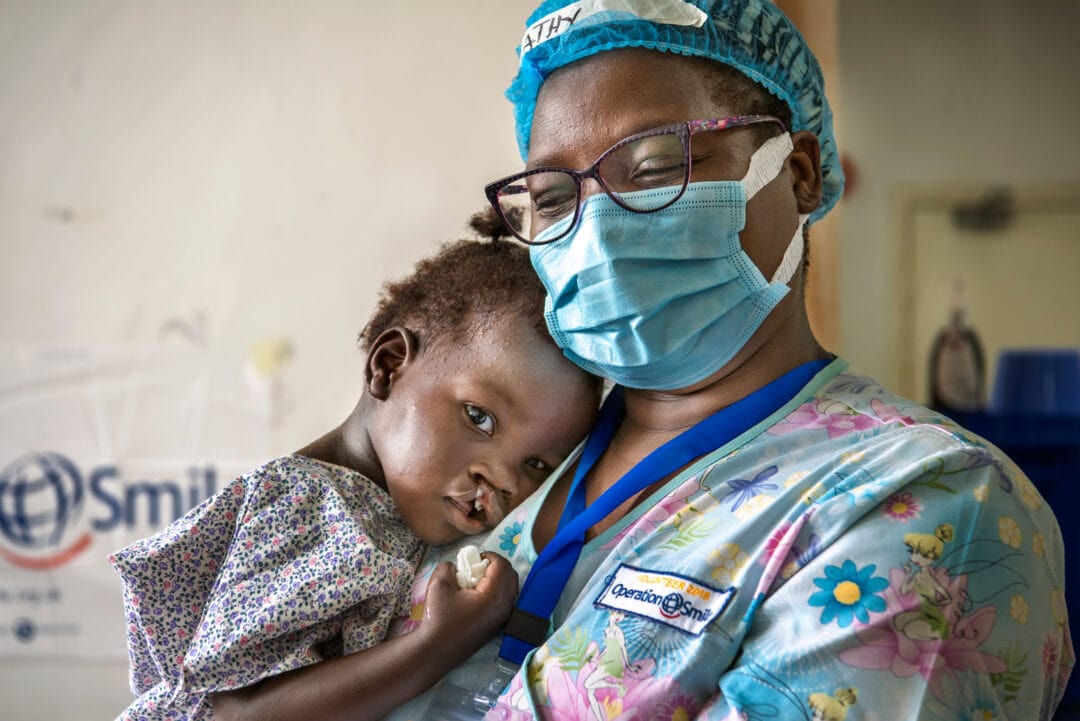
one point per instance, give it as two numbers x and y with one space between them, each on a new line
792 256
765 164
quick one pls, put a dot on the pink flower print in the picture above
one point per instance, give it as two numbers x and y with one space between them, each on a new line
418 597
678 705
773 544
669 507
568 698
1051 656
837 420
778 550
1067 659
889 413
902 507
884 647
639 695
803 417
649 697
507 707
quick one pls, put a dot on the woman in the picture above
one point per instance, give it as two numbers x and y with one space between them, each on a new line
737 515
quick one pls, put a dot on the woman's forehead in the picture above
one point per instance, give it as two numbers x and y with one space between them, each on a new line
592 103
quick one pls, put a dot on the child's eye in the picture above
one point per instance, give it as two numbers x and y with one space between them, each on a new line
534 462
480 418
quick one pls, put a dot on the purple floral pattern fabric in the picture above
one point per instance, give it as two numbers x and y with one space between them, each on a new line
291 563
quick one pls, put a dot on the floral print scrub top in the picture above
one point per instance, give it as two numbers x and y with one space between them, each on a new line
291 563
854 556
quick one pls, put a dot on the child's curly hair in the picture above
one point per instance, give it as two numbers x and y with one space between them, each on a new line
466 286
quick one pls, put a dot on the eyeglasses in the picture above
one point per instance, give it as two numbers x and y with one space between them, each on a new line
643 173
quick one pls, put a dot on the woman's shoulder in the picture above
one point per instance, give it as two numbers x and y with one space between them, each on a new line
854 403
851 427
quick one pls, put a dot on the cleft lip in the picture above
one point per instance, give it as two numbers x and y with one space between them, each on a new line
481 504
490 502
464 517
464 500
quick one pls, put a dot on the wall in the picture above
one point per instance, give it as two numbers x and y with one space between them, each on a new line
972 93
237 160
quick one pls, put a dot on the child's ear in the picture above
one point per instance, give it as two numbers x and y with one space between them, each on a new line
394 349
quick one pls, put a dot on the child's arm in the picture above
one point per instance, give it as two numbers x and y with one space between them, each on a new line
371 683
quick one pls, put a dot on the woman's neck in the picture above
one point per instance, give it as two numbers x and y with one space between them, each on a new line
654 417
665 414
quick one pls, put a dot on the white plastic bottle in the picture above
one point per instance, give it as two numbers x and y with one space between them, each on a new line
957 365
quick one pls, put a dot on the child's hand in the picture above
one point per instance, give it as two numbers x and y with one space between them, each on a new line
470 566
465 618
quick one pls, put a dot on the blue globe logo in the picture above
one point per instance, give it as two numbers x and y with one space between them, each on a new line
671 605
25 630
41 495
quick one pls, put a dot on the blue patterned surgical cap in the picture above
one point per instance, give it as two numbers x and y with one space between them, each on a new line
752 36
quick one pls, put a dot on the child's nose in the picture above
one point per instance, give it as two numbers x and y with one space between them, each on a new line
497 474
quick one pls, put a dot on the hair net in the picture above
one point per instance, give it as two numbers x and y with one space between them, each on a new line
752 36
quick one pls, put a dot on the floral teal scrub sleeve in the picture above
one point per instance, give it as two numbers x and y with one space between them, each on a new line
853 556
938 597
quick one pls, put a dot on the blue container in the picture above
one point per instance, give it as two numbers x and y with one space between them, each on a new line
1037 382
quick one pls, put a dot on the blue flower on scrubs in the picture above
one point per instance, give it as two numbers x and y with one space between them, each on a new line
510 538
743 490
846 593
970 695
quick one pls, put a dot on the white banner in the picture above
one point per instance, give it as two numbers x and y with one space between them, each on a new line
99 447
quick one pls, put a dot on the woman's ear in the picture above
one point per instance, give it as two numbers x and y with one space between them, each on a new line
806 171
394 349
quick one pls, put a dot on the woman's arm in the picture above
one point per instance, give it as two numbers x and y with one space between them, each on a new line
370 683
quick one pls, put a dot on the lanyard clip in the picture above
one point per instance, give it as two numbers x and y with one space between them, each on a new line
485 698
506 668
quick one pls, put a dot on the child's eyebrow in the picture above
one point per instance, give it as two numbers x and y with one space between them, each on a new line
501 392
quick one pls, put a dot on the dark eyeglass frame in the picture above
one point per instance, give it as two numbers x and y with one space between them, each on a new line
684 130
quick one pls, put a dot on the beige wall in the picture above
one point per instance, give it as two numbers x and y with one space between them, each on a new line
967 93
264 165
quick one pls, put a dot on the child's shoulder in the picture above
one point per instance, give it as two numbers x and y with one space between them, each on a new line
295 477
294 465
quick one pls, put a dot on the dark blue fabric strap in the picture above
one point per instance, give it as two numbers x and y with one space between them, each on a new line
546 580
599 439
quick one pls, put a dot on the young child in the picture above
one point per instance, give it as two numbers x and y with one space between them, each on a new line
468 406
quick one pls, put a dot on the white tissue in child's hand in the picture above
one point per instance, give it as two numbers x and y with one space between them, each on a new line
470 567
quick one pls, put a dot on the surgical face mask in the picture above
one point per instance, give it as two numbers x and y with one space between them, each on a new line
663 300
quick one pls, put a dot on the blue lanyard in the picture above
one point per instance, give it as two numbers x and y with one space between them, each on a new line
528 625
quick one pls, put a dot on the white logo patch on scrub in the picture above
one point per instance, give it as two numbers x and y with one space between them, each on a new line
668 598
